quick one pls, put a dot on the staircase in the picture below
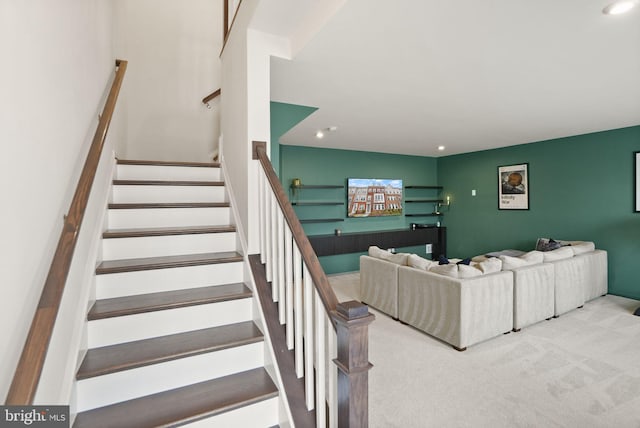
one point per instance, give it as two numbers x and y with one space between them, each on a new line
171 337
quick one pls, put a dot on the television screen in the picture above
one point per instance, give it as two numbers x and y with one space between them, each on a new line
373 197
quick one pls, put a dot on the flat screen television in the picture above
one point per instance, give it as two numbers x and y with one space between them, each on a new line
374 197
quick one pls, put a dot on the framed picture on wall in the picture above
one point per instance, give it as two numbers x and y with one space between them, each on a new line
637 185
513 187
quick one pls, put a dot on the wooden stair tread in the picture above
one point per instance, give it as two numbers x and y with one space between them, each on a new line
166 231
141 303
169 205
165 262
183 405
168 163
130 355
166 183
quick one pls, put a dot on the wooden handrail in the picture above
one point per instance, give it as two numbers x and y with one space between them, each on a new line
211 96
27 375
328 297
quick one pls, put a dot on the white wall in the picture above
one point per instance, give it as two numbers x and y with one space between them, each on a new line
58 61
173 48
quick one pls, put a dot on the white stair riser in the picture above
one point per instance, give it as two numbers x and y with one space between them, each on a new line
263 414
158 172
152 246
157 280
141 194
111 331
129 384
167 217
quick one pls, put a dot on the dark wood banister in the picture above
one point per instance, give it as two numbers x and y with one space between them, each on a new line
328 297
27 375
350 319
211 96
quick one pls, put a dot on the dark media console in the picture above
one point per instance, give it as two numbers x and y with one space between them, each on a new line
328 245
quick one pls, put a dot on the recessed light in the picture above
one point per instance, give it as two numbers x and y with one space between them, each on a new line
619 7
319 134
441 148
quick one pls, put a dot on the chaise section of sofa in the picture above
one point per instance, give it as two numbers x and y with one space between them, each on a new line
459 311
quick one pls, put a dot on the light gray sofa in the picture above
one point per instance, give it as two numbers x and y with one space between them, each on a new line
379 284
465 311
459 311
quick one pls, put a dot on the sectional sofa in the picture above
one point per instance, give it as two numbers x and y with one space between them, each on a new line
466 304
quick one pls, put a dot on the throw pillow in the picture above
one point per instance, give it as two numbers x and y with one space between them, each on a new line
558 254
545 244
418 262
442 260
466 261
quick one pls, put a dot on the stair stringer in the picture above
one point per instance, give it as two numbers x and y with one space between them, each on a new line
270 362
69 340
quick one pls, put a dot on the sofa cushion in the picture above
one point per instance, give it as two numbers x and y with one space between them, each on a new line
531 258
489 265
399 258
447 270
418 262
558 254
581 247
456 271
466 271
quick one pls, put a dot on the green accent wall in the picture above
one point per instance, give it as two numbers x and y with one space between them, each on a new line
581 188
334 167
284 117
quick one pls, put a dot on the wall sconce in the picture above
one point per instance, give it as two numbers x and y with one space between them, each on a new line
296 184
442 204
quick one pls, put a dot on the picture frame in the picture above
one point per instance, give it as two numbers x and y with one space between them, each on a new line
637 181
513 187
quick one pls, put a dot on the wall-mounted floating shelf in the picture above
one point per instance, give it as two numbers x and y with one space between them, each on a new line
317 203
321 220
318 186
423 200
423 195
309 201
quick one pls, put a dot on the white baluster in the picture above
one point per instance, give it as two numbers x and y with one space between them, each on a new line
332 372
288 256
321 349
275 282
282 302
262 217
308 338
268 230
297 285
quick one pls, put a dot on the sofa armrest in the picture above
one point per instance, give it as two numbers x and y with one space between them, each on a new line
379 284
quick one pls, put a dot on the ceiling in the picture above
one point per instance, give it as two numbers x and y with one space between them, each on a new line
408 76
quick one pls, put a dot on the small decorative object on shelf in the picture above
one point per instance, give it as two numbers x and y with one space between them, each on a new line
338 232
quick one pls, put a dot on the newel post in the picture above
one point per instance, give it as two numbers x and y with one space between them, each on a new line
352 323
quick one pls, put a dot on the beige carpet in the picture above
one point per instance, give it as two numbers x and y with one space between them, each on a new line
579 370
